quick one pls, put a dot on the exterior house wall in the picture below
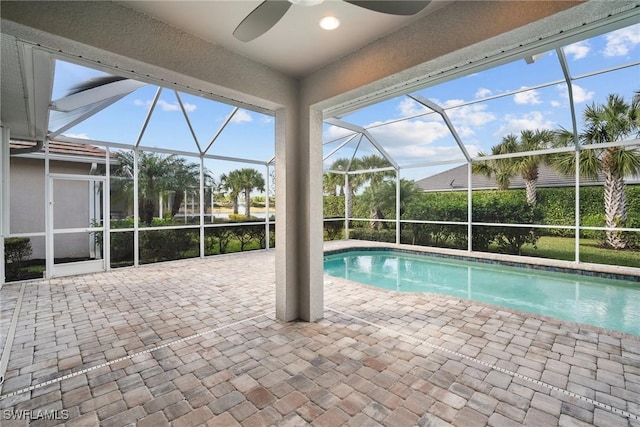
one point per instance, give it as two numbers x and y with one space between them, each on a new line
27 200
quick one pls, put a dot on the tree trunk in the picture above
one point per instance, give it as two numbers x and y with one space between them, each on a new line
350 203
178 197
247 202
531 191
615 206
146 210
376 214
235 204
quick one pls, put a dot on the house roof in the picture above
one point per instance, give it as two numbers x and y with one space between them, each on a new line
455 179
63 148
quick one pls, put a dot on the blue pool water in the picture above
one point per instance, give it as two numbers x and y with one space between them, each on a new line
608 303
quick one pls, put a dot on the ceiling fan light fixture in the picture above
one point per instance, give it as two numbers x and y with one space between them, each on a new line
306 2
329 23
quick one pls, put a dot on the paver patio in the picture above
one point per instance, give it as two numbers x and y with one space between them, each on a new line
196 342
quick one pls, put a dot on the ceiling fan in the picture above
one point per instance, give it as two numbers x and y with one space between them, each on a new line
269 12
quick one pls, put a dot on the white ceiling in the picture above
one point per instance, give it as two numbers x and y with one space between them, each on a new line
296 45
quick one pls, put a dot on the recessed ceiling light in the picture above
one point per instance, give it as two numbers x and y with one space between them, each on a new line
329 23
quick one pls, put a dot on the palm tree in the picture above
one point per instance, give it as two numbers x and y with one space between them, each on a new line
375 180
244 180
528 166
382 198
334 182
182 176
613 121
501 169
354 181
156 174
153 178
231 183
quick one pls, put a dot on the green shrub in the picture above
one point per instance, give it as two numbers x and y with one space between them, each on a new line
388 236
237 217
506 207
166 245
17 251
217 240
333 207
122 248
593 220
334 230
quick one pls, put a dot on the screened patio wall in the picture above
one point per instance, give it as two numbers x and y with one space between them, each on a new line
352 139
470 35
107 236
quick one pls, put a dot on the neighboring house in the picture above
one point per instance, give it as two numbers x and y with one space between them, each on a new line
455 179
77 202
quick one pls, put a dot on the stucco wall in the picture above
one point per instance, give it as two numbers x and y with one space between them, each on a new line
27 204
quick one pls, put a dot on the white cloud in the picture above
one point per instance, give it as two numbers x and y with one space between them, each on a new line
452 103
409 108
241 116
578 50
516 123
424 153
165 106
621 42
483 92
470 115
580 94
426 138
556 103
77 135
335 132
409 132
529 97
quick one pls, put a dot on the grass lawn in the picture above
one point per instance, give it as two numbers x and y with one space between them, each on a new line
564 249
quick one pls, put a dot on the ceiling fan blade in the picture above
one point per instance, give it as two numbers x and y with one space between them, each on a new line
261 19
399 7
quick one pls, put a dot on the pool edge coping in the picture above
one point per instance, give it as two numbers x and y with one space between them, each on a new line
604 271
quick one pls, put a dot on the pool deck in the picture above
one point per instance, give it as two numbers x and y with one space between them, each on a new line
196 342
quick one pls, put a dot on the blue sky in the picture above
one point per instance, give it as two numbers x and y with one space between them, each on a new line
423 137
483 124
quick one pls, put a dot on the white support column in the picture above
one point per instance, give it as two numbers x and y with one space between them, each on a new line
299 252
287 190
4 195
213 199
106 223
312 301
48 222
202 208
136 212
398 239
469 207
346 205
266 210
93 199
577 214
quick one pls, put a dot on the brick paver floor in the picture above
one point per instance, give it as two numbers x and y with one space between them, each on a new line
196 342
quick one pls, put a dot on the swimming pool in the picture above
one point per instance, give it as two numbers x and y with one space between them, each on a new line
608 303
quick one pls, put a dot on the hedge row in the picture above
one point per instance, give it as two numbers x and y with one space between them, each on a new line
556 206
172 244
